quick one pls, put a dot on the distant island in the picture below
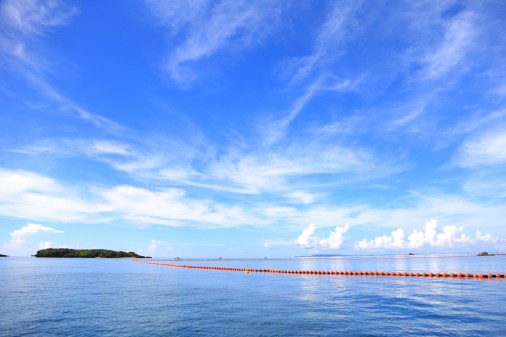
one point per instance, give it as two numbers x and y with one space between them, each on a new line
485 254
86 253
2 255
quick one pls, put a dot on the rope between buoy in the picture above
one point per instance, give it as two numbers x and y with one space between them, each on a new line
247 271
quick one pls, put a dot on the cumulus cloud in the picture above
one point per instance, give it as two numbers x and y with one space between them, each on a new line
154 246
19 236
308 238
45 245
31 229
394 240
448 236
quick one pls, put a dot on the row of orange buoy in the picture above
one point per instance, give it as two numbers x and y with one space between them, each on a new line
342 273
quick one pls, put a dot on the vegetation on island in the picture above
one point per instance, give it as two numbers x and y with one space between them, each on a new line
86 253
2 255
485 254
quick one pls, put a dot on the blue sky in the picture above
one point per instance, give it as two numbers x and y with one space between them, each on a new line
251 129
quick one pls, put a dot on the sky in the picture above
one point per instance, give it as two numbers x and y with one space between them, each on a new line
253 128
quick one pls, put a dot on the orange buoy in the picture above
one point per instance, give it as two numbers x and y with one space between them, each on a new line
475 276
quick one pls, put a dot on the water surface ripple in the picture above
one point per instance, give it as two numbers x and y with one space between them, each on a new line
101 297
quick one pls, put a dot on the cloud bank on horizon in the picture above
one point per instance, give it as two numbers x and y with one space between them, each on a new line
197 127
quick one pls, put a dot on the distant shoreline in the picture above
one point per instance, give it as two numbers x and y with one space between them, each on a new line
331 257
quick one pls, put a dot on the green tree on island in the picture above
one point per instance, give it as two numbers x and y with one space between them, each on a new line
85 253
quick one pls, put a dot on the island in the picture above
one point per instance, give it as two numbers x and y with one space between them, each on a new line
485 254
86 253
2 255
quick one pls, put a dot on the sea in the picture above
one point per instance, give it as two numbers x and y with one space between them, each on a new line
118 297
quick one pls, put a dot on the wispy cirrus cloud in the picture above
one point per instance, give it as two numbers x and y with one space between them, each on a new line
212 27
485 149
35 17
24 26
273 129
241 169
337 28
459 35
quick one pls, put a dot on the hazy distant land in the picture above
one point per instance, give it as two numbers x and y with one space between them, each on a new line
86 253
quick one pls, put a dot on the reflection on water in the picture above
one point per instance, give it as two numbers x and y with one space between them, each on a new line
79 297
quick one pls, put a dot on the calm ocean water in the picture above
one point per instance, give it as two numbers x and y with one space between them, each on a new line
102 297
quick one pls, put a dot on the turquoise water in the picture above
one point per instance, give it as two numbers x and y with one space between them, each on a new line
101 297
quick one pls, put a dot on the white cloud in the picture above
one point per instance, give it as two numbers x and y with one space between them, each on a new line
33 16
308 238
14 182
20 236
272 169
447 237
395 240
304 197
459 34
108 147
28 195
171 207
486 149
333 32
31 229
212 27
23 25
45 245
33 196
154 246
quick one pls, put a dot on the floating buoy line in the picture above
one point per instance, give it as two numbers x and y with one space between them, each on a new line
247 271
